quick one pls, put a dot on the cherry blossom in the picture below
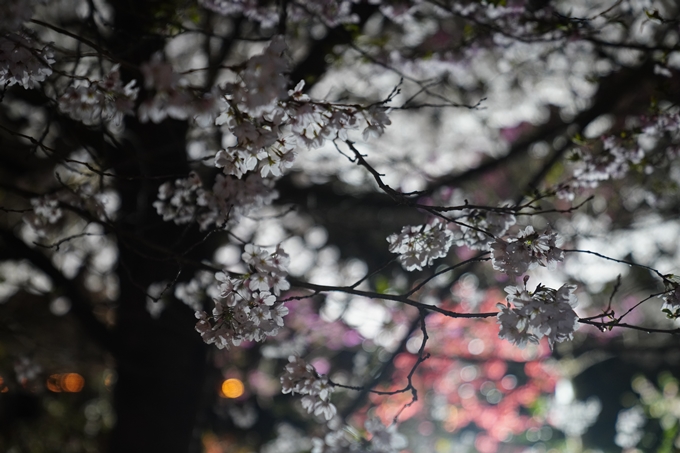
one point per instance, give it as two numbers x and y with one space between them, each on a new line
105 100
384 439
246 306
525 251
529 316
671 297
178 201
21 63
479 228
46 213
419 246
301 377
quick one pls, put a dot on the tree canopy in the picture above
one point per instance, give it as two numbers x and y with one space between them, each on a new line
339 225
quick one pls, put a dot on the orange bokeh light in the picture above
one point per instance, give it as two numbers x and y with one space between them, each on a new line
72 382
67 382
232 388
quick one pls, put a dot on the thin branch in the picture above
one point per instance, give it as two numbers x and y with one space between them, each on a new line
479 257
608 258
395 297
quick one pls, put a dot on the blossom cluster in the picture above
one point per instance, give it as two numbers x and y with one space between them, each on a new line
46 213
528 317
517 255
336 441
263 80
255 118
267 143
419 246
671 297
246 308
102 100
302 378
231 198
195 290
174 98
330 12
21 63
479 228
313 123
260 149
614 162
268 125
178 202
186 200
384 439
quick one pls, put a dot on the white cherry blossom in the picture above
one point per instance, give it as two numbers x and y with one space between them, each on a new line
21 62
301 377
528 249
245 309
528 317
419 246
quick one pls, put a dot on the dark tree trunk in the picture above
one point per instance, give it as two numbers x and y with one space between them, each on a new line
162 363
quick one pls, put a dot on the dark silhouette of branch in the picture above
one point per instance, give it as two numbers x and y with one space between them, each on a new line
15 248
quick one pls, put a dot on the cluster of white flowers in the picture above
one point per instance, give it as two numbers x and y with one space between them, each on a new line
178 201
331 12
103 100
419 246
174 98
384 439
263 80
671 297
517 255
46 213
266 15
232 198
21 63
544 313
195 290
268 125
314 123
376 120
246 308
301 377
336 441
481 227
523 20
664 123
267 144
614 162
186 200
171 97
260 149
